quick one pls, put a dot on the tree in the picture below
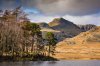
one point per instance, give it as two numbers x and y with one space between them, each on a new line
51 42
11 37
34 31
11 34
18 34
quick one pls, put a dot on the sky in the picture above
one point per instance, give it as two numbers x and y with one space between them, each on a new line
76 11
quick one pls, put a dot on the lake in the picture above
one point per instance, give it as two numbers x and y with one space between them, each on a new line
52 63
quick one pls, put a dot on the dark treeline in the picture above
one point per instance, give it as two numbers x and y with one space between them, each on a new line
21 38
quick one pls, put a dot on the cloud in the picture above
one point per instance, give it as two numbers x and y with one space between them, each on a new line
87 19
77 11
57 7
41 18
8 4
63 7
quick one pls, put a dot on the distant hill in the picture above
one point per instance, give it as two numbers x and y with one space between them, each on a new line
43 25
86 46
85 38
46 28
90 37
87 27
61 28
65 26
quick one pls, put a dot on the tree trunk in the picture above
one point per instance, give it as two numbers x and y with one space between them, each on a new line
32 45
13 50
49 51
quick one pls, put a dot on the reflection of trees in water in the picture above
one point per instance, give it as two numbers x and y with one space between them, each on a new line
32 63
37 63
26 63
52 62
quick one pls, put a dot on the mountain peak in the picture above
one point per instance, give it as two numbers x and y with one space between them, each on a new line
59 22
59 18
64 25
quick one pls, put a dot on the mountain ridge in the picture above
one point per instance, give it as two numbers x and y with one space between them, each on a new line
62 28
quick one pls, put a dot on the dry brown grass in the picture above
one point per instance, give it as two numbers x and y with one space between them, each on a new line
79 47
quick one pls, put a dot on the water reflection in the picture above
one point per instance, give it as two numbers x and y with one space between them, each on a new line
52 63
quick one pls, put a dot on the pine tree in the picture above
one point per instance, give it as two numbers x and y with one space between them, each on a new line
51 43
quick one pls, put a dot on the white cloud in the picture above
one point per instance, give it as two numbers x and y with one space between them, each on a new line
88 19
41 18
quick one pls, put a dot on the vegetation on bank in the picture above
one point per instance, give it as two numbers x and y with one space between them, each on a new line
37 57
22 40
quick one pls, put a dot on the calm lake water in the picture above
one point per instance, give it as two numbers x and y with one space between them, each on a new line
52 63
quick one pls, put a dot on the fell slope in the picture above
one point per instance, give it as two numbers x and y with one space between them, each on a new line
87 27
84 46
65 26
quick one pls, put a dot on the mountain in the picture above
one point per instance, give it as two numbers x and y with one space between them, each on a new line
43 25
46 28
61 28
87 27
86 45
65 26
89 38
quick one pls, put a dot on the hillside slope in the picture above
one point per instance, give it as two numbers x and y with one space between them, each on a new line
84 46
87 27
65 26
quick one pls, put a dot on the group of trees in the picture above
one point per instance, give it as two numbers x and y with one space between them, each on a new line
51 43
11 36
19 36
32 36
